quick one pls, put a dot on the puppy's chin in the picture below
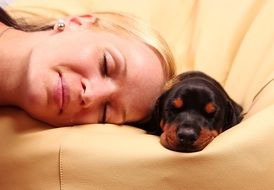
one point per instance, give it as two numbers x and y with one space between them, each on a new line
170 140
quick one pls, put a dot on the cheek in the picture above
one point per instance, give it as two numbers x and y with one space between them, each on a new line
217 123
38 85
82 117
136 109
87 116
169 136
56 53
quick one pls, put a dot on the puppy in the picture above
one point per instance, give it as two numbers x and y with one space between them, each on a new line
192 112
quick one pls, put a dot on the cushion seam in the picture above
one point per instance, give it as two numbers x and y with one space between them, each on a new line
61 167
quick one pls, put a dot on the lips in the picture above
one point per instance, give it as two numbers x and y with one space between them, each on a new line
61 94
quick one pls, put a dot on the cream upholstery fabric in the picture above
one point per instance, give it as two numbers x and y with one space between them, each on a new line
229 39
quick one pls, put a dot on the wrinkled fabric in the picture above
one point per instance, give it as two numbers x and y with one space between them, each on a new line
230 40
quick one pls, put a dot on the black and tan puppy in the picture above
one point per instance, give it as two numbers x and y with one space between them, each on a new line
192 112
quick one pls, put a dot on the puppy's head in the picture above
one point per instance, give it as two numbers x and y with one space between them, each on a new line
193 112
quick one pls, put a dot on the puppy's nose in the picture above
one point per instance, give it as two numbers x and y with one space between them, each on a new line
187 135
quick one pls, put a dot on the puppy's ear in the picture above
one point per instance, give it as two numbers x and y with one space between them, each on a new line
152 125
233 114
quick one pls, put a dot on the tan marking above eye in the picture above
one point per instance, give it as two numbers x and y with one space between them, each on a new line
178 103
210 107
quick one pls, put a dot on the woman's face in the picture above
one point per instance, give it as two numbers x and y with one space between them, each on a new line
88 76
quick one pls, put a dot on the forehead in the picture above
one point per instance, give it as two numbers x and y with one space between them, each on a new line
144 81
196 91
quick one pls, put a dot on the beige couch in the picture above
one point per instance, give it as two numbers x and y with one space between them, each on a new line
231 40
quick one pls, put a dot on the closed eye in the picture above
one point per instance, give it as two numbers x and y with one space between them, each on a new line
104 65
104 115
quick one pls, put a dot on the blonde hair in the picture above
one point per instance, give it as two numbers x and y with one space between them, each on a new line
125 24
121 24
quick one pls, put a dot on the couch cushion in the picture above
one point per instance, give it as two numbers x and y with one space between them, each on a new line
231 40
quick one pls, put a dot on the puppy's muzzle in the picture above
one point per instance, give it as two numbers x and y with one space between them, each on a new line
188 128
186 137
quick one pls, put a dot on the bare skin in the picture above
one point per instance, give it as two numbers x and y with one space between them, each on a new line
79 75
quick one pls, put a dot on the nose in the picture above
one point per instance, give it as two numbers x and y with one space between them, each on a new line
96 92
187 135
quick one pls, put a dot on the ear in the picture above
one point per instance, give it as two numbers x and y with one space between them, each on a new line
76 22
233 114
152 125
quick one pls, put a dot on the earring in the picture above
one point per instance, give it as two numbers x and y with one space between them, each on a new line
60 25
